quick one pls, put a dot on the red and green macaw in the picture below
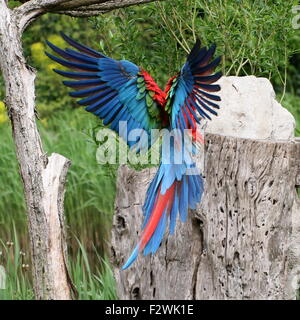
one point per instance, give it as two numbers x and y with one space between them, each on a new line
121 91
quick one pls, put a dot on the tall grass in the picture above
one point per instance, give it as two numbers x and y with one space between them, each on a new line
16 265
12 206
89 203
90 188
90 285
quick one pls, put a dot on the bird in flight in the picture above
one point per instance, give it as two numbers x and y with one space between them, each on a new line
119 90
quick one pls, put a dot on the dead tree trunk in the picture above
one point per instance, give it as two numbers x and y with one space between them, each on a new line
242 242
43 177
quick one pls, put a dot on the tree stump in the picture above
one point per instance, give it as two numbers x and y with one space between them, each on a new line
243 241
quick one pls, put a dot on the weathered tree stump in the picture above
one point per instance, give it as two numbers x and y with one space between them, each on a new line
243 242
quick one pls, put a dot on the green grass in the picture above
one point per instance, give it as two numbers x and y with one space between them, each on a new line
18 278
90 187
89 204
12 206
98 285
90 285
292 103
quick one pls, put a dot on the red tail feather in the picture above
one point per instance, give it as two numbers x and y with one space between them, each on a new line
163 201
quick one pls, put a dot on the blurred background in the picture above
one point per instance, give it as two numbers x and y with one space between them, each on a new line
254 37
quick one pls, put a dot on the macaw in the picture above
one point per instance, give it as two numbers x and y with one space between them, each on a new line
119 90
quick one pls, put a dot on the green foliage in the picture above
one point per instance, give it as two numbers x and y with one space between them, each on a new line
252 36
3 113
12 205
91 188
135 34
90 285
51 94
13 4
292 103
16 264
98 285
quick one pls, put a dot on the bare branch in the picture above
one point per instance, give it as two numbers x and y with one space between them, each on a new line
96 9
102 5
79 3
29 6
77 8
110 5
77 13
30 10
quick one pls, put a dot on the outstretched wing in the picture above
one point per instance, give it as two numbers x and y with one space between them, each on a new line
112 90
190 93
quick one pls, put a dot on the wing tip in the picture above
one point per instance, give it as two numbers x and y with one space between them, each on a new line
217 60
198 41
219 74
49 55
131 259
48 43
64 36
213 46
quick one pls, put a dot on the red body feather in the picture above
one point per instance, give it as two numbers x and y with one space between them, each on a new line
159 95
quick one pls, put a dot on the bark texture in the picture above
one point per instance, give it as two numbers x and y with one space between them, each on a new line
43 177
241 243
75 8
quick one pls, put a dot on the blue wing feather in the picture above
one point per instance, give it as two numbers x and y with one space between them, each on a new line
190 91
77 75
81 47
108 88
